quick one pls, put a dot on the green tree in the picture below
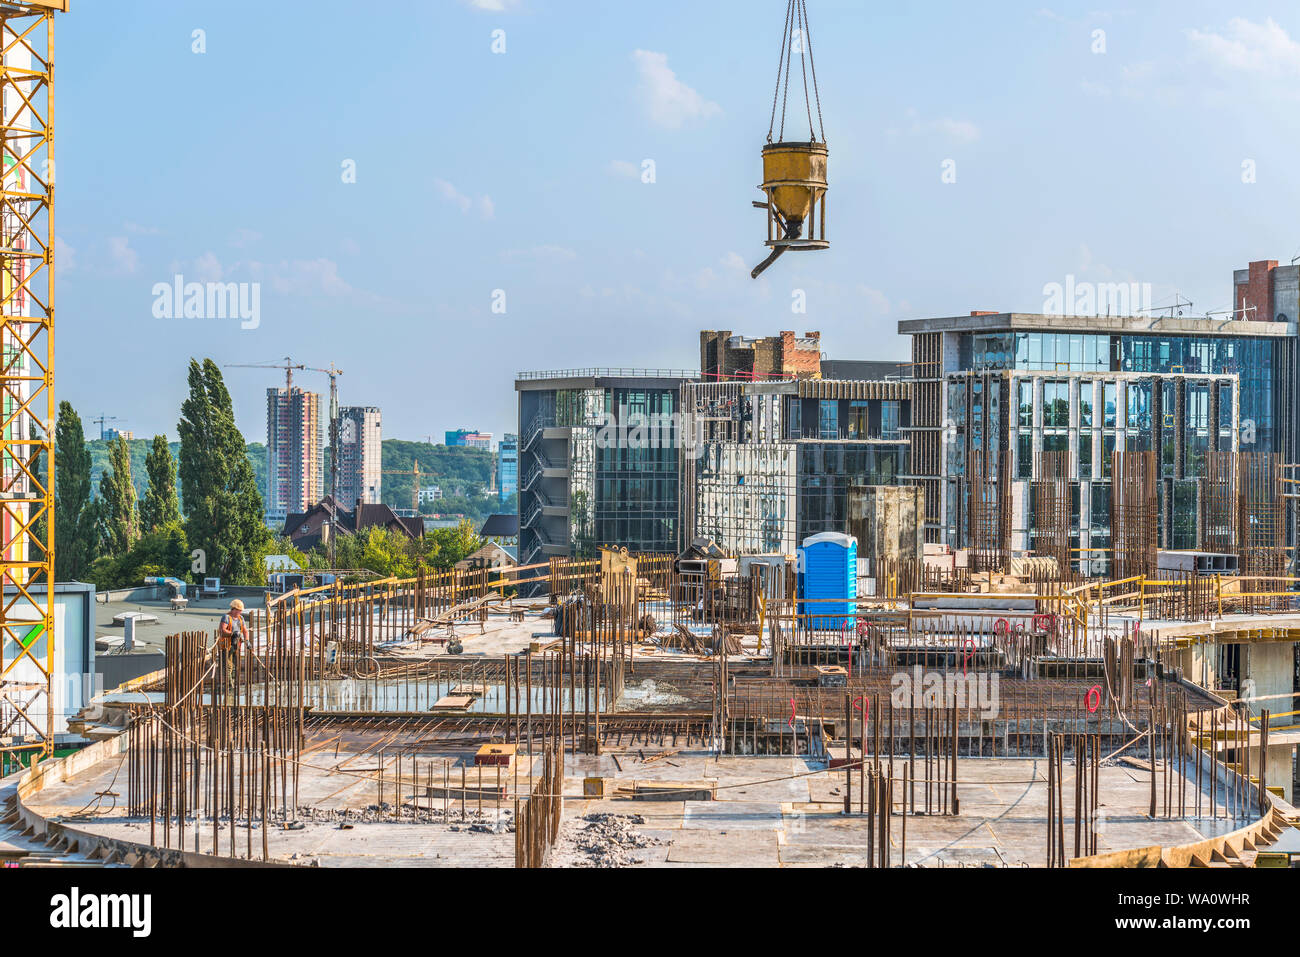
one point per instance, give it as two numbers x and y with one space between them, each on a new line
444 547
75 515
117 491
160 505
162 552
222 505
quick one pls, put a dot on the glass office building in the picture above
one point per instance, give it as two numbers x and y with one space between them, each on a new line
772 463
1032 398
598 462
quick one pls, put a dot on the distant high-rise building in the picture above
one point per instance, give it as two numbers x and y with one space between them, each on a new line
360 456
112 434
508 466
295 454
468 438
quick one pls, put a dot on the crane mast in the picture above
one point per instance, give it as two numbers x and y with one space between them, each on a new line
29 700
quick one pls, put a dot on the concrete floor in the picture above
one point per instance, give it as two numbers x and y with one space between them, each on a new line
768 812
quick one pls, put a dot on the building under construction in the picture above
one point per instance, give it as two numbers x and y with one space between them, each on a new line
1029 602
656 711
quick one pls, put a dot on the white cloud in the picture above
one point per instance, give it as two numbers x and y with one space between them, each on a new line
958 131
487 209
208 268
669 102
545 253
302 277
64 255
961 131
453 195
624 168
124 259
1260 48
493 6
244 237
731 267
734 262
877 303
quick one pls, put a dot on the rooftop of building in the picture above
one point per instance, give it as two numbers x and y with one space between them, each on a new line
1120 325
200 614
863 369
592 378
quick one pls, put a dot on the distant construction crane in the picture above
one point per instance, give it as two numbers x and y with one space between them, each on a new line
414 473
334 374
288 366
102 419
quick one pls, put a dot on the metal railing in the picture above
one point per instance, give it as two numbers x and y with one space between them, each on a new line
531 475
843 435
542 420
608 373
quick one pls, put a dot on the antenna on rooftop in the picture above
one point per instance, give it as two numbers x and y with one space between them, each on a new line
1176 307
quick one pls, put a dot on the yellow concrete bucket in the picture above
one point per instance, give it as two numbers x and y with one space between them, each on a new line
794 176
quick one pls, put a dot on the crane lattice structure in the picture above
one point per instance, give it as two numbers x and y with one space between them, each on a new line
29 699
102 421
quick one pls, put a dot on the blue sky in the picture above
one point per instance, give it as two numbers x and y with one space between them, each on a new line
478 171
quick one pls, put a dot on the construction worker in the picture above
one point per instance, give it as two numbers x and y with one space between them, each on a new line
232 632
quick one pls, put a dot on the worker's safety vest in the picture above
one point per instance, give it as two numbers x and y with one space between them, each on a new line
238 630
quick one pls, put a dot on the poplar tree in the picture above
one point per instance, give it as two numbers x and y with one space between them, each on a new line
75 515
223 508
160 506
117 492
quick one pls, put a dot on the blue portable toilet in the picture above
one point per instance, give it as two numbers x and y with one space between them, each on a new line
828 580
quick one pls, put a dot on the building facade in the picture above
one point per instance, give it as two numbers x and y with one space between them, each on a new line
361 453
598 462
508 466
768 464
1016 419
470 438
295 455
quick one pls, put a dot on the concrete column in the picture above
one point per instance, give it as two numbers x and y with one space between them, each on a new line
1019 516
1098 419
1272 666
1072 459
1038 425
1121 414
1278 771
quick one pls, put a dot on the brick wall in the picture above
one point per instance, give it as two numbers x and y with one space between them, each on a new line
1257 292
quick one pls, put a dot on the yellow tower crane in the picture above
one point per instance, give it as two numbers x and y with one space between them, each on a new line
28 697
414 473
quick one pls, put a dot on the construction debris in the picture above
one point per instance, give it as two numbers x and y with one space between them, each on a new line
610 840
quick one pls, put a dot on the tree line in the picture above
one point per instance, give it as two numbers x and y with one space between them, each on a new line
212 525
118 540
